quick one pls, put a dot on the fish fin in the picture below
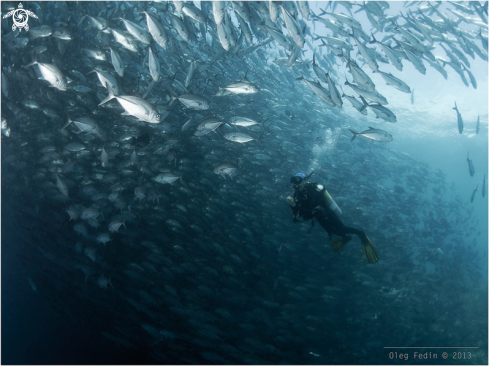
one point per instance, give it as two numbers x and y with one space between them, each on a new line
110 97
354 135
374 40
31 64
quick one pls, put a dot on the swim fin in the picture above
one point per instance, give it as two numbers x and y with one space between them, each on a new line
339 243
369 251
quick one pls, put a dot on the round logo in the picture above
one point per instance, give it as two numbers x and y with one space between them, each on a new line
20 19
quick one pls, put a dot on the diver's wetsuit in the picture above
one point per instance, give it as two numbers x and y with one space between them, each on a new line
311 203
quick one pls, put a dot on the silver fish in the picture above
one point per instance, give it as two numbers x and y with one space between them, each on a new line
484 186
366 55
304 8
137 32
373 134
104 158
167 178
360 77
52 75
244 122
473 194
135 106
274 11
319 91
391 55
225 169
157 31
108 81
180 27
344 19
218 9
337 41
193 12
459 120
293 27
359 106
125 40
335 94
317 70
60 183
114 225
373 96
190 72
417 62
154 65
96 54
240 137
242 87
117 62
471 166
395 82
381 111
193 101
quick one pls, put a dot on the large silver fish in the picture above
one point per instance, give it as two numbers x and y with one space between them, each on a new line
395 82
242 87
373 96
381 111
319 91
157 31
117 62
240 137
51 74
193 101
373 134
136 107
294 28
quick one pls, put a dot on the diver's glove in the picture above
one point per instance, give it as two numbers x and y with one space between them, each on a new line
290 201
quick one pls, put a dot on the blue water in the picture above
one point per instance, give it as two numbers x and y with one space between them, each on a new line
234 281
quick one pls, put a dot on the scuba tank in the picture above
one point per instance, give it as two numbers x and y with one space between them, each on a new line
331 203
329 200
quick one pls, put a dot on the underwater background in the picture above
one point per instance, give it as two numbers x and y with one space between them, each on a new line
210 269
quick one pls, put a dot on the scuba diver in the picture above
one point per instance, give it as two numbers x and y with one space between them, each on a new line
311 201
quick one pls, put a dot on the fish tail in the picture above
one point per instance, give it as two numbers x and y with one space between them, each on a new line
258 138
172 95
31 64
110 97
354 135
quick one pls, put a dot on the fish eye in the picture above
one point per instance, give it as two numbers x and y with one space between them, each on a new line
158 116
